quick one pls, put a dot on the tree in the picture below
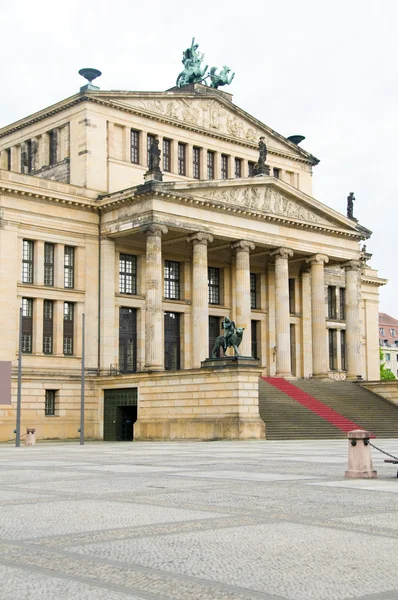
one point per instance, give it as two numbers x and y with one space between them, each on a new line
385 374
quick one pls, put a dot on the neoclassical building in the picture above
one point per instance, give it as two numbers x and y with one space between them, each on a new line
155 266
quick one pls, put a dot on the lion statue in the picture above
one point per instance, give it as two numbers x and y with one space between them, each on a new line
232 338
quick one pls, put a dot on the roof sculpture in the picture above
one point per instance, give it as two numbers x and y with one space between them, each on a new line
193 71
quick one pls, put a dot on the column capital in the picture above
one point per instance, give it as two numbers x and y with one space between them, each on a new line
200 237
242 246
318 259
154 229
282 253
353 265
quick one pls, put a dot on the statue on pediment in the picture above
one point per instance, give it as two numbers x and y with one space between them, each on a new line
221 78
260 168
350 206
192 60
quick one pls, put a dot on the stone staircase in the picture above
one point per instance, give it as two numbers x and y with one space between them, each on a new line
286 418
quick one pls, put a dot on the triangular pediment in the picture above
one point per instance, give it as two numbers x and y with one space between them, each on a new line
211 112
270 197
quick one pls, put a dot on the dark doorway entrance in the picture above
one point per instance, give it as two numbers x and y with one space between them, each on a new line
127 340
214 332
120 414
171 341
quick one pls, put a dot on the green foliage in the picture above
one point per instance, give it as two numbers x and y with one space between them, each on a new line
385 374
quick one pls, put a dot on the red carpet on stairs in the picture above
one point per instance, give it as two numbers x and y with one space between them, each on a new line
323 411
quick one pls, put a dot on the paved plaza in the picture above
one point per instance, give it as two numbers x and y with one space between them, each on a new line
217 520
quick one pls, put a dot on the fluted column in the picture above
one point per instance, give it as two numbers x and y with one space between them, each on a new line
154 319
242 293
318 320
353 335
200 297
282 313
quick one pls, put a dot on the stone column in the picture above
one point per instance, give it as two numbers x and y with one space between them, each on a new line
306 323
353 335
319 340
200 298
154 319
282 313
242 292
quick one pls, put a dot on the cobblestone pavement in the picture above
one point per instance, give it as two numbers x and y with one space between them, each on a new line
214 521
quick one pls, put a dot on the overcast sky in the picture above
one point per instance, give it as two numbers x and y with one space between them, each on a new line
326 70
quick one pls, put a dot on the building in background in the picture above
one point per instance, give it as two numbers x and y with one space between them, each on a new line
388 340
155 265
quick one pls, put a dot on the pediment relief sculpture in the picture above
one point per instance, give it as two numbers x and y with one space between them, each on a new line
268 201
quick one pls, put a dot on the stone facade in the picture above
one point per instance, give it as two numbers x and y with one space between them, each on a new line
156 266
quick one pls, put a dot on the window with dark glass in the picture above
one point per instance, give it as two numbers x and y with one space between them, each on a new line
127 340
214 285
127 274
181 159
276 172
171 279
381 331
224 166
343 351
69 267
49 407
332 349
332 312
253 290
171 341
210 164
27 325
342 303
48 326
255 344
52 147
48 264
238 167
68 328
214 332
196 162
26 157
292 296
8 159
250 165
149 141
27 261
166 154
135 146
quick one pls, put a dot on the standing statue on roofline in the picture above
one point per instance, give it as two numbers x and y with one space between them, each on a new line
350 206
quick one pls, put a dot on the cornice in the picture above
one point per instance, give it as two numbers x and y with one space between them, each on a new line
43 196
376 281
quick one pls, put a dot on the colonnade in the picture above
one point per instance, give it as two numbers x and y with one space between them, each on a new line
154 345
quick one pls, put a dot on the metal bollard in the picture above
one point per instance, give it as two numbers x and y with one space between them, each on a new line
30 439
359 456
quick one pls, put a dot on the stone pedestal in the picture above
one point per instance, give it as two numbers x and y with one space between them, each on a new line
153 176
359 456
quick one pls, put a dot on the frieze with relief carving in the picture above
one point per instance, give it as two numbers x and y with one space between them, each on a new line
266 200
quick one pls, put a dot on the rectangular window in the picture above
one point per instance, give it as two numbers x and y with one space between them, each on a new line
52 147
210 164
149 141
332 349
69 267
253 290
238 167
292 296
171 341
68 328
224 166
214 285
181 159
48 327
381 331
127 274
27 325
135 146
342 303
26 157
128 340
250 165
27 261
276 172
196 163
8 159
388 356
49 408
255 344
48 264
171 280
332 312
166 155
343 350
392 331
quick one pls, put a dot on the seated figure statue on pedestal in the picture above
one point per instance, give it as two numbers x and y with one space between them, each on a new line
231 339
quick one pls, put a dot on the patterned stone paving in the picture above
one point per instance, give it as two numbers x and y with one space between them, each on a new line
214 521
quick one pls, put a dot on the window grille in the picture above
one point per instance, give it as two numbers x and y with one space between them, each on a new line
253 290
135 146
214 285
166 154
48 311
171 280
342 303
48 264
181 159
196 163
27 325
224 166
210 164
49 409
52 143
332 312
250 165
68 328
69 267
27 261
238 167
149 141
171 341
127 274
127 340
